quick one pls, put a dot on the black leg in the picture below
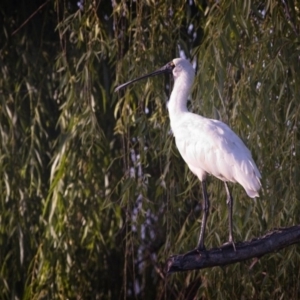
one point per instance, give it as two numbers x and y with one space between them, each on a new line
205 208
229 202
205 212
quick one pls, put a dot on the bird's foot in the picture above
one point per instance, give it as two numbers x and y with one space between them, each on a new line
229 244
196 251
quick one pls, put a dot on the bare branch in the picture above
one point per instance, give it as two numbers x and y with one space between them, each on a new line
271 242
30 17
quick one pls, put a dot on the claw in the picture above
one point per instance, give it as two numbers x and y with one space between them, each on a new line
196 251
228 244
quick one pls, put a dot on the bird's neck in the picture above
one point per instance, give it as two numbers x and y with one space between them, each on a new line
178 100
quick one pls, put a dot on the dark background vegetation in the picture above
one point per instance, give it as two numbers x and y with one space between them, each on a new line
94 196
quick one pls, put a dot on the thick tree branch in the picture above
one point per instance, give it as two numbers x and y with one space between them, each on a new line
271 242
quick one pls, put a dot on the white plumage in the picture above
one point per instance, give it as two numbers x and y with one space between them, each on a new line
207 146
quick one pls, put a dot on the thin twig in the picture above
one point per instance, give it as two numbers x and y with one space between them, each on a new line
30 17
288 16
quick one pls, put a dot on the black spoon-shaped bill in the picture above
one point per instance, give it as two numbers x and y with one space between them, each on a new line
165 69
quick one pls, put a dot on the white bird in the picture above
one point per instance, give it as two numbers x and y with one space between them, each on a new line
207 146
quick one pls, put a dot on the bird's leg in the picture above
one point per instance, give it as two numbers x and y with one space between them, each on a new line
229 202
205 209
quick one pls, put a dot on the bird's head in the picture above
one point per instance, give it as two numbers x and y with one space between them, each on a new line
179 67
183 68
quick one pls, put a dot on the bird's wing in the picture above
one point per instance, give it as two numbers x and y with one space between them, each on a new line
210 146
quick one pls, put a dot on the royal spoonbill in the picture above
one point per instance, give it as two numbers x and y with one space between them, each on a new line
208 146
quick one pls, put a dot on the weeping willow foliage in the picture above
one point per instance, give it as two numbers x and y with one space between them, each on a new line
94 196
